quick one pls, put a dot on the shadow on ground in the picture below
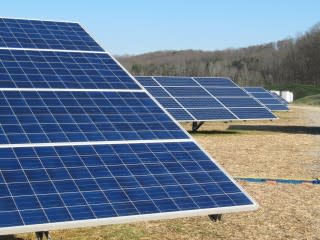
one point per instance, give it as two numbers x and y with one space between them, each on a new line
272 128
204 132
10 237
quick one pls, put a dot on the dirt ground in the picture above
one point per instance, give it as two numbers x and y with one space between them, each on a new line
285 148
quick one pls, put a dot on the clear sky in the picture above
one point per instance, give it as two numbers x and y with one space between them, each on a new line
138 26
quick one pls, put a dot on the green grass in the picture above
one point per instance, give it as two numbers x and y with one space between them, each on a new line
299 90
309 100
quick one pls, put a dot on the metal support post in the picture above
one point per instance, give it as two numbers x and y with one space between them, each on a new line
215 217
40 235
196 126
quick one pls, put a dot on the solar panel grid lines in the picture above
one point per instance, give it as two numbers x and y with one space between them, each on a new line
221 98
219 115
272 102
169 185
45 35
214 97
77 179
160 216
279 98
81 116
243 112
43 69
186 114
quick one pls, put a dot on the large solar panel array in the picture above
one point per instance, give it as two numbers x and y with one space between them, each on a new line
204 99
82 144
271 101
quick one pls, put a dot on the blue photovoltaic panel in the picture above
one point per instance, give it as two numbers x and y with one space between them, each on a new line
147 82
19 33
227 92
203 102
49 69
218 113
177 81
157 92
204 98
180 113
252 113
40 117
279 98
271 101
260 95
215 82
187 92
277 107
80 140
240 102
168 102
69 183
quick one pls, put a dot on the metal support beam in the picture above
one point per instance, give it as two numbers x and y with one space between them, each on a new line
196 126
40 235
215 217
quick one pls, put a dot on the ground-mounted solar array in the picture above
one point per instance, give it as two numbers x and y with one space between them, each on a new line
204 99
82 144
271 101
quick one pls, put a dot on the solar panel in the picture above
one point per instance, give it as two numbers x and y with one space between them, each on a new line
50 69
279 97
82 144
55 116
271 101
19 33
204 99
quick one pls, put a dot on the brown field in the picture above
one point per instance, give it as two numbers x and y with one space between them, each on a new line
285 148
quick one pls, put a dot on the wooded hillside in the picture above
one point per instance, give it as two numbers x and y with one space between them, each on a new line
290 61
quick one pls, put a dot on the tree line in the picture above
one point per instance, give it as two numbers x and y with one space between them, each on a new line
288 61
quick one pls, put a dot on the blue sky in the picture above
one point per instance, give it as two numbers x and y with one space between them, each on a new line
138 26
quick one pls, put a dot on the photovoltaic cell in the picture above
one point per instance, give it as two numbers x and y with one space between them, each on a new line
19 33
180 113
69 183
215 82
147 82
177 81
279 98
271 101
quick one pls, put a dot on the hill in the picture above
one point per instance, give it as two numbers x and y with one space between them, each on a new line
309 100
287 63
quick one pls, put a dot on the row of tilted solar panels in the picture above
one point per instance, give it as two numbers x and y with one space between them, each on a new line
211 98
82 144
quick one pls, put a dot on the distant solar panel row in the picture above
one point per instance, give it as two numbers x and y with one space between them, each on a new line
267 98
20 33
279 97
80 140
204 99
